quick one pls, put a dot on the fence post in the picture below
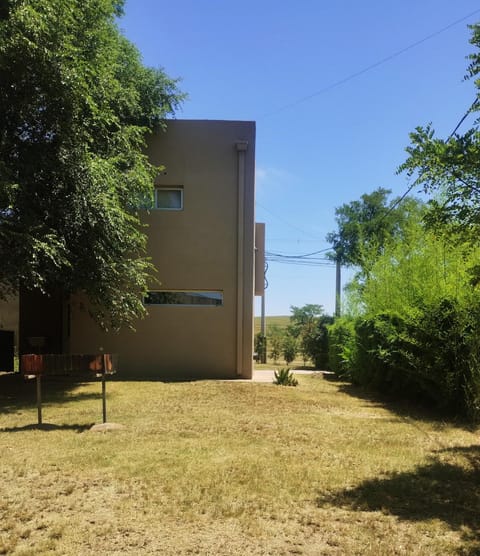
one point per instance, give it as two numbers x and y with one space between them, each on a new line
39 398
104 388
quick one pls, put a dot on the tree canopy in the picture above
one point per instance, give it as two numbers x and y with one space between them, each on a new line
75 105
449 167
365 225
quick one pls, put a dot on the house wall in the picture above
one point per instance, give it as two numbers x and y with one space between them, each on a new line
209 245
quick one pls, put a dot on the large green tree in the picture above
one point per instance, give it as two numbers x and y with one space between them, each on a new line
364 226
450 168
76 103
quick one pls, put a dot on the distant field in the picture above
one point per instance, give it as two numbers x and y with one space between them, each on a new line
281 321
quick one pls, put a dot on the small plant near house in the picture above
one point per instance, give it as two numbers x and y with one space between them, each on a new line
284 377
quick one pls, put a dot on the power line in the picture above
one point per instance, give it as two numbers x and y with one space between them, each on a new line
367 68
287 222
297 256
472 107
411 186
307 259
302 262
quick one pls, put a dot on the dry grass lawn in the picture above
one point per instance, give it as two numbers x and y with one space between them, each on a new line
221 468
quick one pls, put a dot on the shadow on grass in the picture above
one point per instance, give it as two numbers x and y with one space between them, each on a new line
445 488
17 393
416 409
48 427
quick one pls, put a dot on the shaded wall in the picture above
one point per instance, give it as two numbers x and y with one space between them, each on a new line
41 322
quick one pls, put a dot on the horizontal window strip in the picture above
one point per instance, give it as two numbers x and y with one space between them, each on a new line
189 298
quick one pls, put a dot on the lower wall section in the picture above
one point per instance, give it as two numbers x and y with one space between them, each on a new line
172 342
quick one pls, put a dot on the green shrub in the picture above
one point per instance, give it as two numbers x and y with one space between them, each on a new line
318 344
260 347
446 354
379 357
283 377
289 348
275 339
431 356
341 344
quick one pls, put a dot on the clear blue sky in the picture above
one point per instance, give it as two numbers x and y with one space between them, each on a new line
318 146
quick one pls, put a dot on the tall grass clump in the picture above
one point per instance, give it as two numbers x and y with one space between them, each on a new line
416 332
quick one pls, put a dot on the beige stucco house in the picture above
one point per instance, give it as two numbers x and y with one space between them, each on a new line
201 237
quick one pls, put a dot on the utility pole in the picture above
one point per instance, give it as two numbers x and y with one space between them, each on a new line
262 318
338 286
263 328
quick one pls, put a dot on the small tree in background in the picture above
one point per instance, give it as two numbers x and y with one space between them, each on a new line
275 339
289 348
308 325
260 347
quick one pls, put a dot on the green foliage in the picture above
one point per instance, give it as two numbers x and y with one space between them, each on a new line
341 345
364 227
75 106
450 167
284 377
260 347
433 357
301 317
417 327
275 340
417 272
309 325
317 342
289 348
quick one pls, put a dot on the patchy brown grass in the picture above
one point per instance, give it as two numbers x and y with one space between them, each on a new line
225 468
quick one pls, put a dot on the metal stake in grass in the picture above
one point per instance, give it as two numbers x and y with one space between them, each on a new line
104 389
39 398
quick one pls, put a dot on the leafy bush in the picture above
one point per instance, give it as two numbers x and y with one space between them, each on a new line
341 342
289 348
284 377
308 325
433 356
260 347
416 332
275 339
317 344
379 357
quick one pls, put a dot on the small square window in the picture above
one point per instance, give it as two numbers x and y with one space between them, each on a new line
169 198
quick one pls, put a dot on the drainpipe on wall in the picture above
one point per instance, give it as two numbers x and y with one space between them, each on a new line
241 147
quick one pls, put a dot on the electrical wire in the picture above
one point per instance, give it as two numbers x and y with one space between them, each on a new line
367 68
287 222
472 107
411 186
307 259
270 253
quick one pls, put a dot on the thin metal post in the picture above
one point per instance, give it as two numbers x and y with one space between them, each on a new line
263 332
39 398
104 398
104 389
